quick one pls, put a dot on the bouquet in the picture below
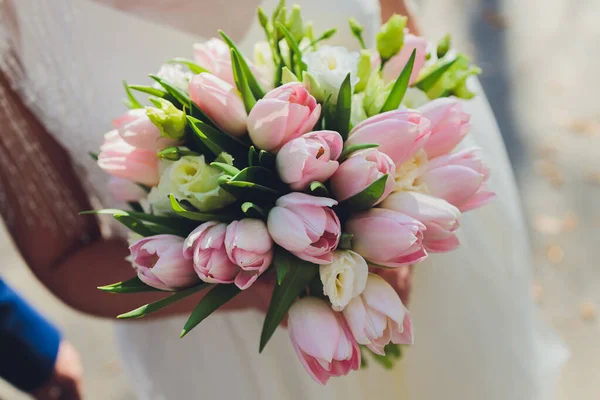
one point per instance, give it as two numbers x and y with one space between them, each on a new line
310 167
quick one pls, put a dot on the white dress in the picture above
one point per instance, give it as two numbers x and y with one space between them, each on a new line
477 335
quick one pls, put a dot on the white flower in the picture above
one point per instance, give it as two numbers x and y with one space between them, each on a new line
408 173
414 98
329 67
176 75
191 179
345 278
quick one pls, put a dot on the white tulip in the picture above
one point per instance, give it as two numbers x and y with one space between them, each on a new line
329 66
345 278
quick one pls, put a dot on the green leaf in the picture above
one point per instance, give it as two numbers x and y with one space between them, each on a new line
354 148
253 157
214 299
444 45
195 68
293 283
131 101
93 155
207 146
318 189
171 222
261 176
283 262
346 241
368 197
160 304
133 285
400 86
241 82
253 211
257 90
196 215
344 108
249 191
136 206
266 159
152 91
429 80
227 143
294 48
325 114
134 224
226 168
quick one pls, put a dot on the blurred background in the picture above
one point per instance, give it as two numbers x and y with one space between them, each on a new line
541 76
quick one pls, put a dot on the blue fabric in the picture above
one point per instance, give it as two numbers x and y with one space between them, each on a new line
28 342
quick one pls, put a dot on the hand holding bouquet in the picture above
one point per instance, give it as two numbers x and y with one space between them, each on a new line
308 169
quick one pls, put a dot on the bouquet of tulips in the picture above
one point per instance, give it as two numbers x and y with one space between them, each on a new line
310 167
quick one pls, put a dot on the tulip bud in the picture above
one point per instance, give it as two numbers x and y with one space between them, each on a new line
118 158
205 245
311 157
305 226
344 279
460 179
283 114
138 130
220 101
439 217
357 30
169 119
449 125
250 247
387 238
159 262
399 133
322 340
390 37
295 23
443 45
367 64
378 317
124 190
214 56
392 69
359 171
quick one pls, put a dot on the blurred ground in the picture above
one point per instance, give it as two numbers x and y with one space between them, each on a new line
541 76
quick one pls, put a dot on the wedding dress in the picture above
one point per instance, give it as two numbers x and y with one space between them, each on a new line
477 336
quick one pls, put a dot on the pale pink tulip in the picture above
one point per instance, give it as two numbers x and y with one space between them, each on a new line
391 70
206 247
378 317
460 179
220 101
124 190
399 133
214 55
322 340
306 226
311 157
136 129
387 238
159 262
119 158
250 247
439 217
283 114
359 171
449 125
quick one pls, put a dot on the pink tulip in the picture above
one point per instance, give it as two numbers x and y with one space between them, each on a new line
119 158
322 340
214 56
449 125
124 190
359 171
206 247
220 101
311 157
306 226
399 133
439 217
136 129
387 238
250 247
460 179
159 262
391 70
283 114
378 317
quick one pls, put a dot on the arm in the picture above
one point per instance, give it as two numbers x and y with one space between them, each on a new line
403 7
